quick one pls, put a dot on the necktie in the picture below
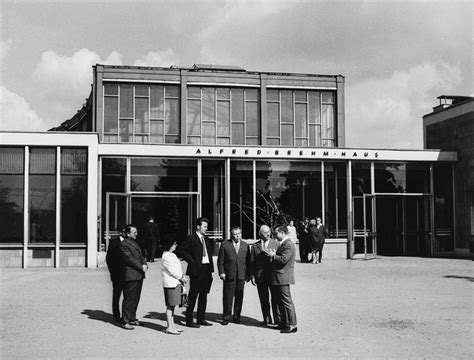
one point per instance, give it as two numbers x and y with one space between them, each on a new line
204 250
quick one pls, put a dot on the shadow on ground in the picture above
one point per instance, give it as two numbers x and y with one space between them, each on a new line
468 278
101 315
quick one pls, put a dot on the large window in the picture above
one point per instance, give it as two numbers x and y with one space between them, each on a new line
223 116
335 197
42 195
300 118
11 194
74 196
401 178
141 113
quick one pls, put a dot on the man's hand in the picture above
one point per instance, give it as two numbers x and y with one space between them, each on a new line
222 276
270 252
252 280
144 268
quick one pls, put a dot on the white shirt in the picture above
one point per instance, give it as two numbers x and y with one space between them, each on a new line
205 257
292 234
171 270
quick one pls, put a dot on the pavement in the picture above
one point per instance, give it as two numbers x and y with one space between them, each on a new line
393 307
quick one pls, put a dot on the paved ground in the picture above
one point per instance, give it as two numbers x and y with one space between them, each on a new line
384 308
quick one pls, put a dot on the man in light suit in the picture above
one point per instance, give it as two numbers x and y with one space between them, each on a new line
283 275
197 251
261 271
233 264
134 273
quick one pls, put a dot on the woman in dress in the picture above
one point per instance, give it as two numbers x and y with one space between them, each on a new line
173 280
292 232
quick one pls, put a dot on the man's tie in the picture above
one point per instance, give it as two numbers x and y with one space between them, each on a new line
204 250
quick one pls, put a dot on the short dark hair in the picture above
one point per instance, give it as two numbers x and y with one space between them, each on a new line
200 220
128 228
151 218
282 228
167 244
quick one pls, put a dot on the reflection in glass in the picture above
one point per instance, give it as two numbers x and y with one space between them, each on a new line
241 197
213 196
360 178
335 187
163 175
443 207
390 177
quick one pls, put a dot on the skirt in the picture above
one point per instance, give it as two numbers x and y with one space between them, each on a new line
173 295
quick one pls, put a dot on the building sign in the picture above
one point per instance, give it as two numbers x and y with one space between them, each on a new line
263 152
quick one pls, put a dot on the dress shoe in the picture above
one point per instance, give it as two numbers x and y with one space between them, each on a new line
225 322
127 327
192 325
135 322
289 330
204 323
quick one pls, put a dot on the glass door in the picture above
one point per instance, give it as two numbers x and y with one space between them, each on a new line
117 214
364 226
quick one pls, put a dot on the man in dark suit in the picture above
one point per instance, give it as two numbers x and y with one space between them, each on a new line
261 271
197 251
135 268
302 231
322 233
150 233
116 269
283 274
233 264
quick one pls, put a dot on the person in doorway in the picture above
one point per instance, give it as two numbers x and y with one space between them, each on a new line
233 264
283 275
173 282
150 233
260 275
303 239
322 233
312 244
197 251
134 273
116 269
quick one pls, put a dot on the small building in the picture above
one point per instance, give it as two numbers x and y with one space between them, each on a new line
450 127
239 147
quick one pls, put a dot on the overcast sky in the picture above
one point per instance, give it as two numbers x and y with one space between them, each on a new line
397 57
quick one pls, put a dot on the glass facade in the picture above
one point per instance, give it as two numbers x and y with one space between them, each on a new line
141 113
12 160
300 118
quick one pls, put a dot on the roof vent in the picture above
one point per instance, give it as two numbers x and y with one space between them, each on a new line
446 101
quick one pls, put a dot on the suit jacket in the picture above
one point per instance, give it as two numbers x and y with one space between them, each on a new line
114 260
322 233
261 267
191 252
283 264
133 260
234 266
150 232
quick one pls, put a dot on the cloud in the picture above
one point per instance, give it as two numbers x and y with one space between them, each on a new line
4 49
391 109
16 113
163 58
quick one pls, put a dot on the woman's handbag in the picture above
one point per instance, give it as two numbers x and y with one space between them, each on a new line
184 297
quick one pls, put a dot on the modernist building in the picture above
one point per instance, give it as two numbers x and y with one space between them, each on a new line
236 146
450 127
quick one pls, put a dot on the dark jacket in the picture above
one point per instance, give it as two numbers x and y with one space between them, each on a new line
234 266
191 252
114 260
133 260
150 232
261 267
283 264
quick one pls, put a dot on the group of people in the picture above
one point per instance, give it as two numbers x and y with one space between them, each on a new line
268 264
311 237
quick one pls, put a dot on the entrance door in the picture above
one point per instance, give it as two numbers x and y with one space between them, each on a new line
364 226
117 214
173 214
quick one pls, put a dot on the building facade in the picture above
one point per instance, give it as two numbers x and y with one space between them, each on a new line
241 148
450 127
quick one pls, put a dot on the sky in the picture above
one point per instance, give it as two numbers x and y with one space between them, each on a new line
396 56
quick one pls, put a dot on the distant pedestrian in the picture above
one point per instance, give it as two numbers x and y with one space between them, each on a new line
292 232
302 232
283 275
322 233
135 269
117 270
150 233
233 264
173 282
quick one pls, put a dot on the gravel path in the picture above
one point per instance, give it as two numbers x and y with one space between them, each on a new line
384 308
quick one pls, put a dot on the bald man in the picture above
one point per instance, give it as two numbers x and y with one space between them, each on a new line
261 270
